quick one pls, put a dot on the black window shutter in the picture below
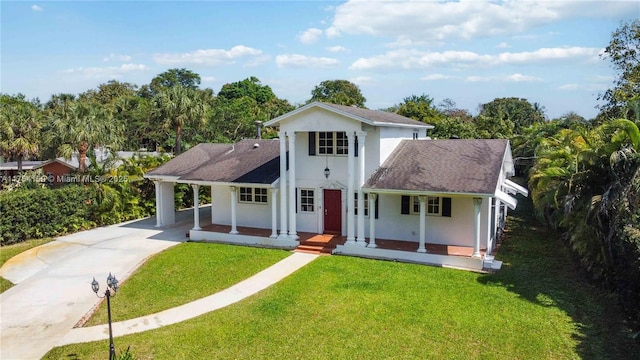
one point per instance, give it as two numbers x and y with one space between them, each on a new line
446 206
405 206
376 206
355 147
312 143
296 195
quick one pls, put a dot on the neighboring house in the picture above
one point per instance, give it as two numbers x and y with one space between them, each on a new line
371 177
55 170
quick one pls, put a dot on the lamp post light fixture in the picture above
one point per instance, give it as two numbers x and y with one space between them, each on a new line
112 288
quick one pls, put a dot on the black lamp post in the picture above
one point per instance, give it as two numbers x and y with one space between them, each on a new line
112 288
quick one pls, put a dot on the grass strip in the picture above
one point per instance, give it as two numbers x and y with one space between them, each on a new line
184 273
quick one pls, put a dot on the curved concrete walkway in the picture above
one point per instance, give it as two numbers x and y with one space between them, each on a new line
248 287
53 291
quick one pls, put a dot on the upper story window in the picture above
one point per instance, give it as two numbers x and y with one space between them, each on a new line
415 135
253 195
332 143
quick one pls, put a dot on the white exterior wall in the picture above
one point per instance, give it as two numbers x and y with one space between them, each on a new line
253 215
166 207
456 230
390 138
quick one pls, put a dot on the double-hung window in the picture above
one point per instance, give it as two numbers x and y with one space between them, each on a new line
307 200
435 205
366 204
253 195
332 143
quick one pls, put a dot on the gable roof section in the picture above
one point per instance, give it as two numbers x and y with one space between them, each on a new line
242 162
370 117
442 166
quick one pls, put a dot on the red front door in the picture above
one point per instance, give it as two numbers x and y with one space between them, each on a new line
332 211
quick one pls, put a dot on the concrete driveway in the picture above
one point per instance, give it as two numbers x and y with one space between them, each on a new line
53 290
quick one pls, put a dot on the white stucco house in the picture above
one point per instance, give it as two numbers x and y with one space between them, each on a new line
373 180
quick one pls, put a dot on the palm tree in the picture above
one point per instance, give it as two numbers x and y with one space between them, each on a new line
19 129
177 107
82 126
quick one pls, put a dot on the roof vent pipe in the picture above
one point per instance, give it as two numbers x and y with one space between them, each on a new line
259 129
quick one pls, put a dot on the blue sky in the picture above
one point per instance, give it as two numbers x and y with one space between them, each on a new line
467 51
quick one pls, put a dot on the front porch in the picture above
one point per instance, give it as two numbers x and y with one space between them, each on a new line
393 250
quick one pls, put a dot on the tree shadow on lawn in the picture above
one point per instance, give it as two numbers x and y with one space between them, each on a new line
540 268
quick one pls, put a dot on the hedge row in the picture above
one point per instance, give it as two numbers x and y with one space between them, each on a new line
37 213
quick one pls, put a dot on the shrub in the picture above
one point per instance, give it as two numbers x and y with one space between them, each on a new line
37 213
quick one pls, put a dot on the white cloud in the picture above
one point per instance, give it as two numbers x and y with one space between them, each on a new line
432 21
303 61
209 57
477 79
337 48
310 36
118 57
332 32
517 77
208 79
502 45
506 78
435 77
569 87
361 80
110 72
417 59
36 8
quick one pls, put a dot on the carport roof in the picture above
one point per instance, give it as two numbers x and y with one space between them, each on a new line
247 161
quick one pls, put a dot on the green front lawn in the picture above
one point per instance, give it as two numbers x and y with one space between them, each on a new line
536 307
9 251
184 273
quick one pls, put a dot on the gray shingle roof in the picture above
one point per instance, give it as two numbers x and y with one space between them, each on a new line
242 162
377 116
447 166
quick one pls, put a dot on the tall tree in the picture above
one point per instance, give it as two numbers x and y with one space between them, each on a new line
250 87
419 108
175 77
624 53
20 124
177 107
509 113
341 92
107 93
82 126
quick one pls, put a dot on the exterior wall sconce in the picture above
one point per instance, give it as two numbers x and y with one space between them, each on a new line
327 172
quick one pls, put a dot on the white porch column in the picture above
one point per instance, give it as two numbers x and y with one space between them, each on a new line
234 201
158 204
351 240
274 212
212 199
283 183
196 207
372 220
361 139
496 225
477 202
292 186
423 223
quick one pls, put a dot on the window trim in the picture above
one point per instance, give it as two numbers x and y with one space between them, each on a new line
336 150
366 204
409 205
300 202
415 208
255 192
